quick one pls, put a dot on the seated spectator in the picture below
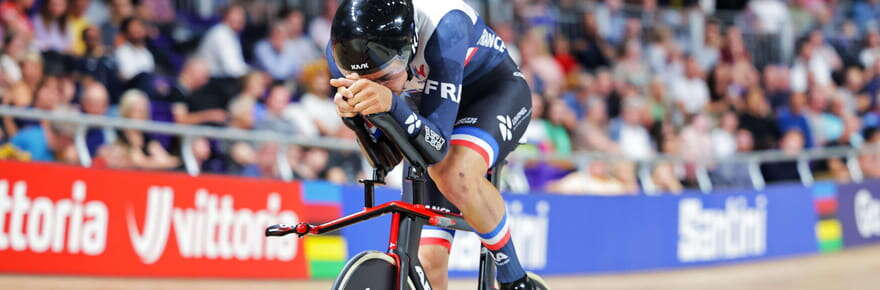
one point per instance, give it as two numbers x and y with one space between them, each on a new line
661 105
849 91
32 70
590 48
707 53
15 46
691 92
190 107
825 126
45 141
120 10
278 99
756 119
48 95
134 148
204 157
792 143
20 96
579 93
50 27
630 68
95 101
221 47
667 175
243 160
241 113
542 137
870 163
777 85
814 63
78 22
734 174
536 58
14 16
852 138
286 51
595 180
794 118
98 63
697 138
132 55
547 130
254 85
319 27
315 110
591 134
628 131
871 52
724 142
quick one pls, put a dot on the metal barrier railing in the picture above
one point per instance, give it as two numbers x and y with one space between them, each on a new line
187 132
579 159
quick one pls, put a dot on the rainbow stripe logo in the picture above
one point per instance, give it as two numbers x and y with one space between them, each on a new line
829 233
326 253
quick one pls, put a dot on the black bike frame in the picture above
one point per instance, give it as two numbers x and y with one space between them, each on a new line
407 216
407 220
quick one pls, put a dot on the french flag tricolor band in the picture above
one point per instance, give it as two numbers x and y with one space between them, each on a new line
437 236
497 238
478 140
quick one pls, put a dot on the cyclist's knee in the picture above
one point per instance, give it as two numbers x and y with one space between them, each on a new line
458 174
435 261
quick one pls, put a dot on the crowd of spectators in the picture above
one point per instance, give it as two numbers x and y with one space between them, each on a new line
654 80
147 60
679 81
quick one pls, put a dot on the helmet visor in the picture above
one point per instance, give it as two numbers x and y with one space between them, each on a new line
393 65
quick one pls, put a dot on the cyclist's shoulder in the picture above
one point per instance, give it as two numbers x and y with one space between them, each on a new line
432 12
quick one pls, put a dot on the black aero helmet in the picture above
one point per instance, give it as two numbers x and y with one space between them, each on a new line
368 36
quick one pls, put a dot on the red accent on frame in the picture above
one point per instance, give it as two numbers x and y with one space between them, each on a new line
395 231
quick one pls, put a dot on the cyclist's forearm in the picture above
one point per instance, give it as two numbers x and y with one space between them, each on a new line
424 133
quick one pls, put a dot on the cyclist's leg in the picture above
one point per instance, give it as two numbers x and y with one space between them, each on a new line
436 242
488 128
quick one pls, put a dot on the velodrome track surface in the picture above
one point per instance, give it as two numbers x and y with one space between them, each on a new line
857 268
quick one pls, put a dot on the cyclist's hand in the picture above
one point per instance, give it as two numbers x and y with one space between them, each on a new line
342 107
370 97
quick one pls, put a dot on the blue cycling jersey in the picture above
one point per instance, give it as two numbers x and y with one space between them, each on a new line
455 49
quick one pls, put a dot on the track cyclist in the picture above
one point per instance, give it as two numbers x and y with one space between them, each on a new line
447 78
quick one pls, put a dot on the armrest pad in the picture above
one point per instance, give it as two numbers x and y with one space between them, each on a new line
382 153
398 136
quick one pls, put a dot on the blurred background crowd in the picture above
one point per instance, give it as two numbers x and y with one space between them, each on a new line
699 81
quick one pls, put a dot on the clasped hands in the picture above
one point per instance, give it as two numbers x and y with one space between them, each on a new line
360 96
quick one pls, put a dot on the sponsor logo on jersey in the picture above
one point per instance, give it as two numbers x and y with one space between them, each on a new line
490 40
519 117
504 126
466 121
448 91
735 231
434 139
412 123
